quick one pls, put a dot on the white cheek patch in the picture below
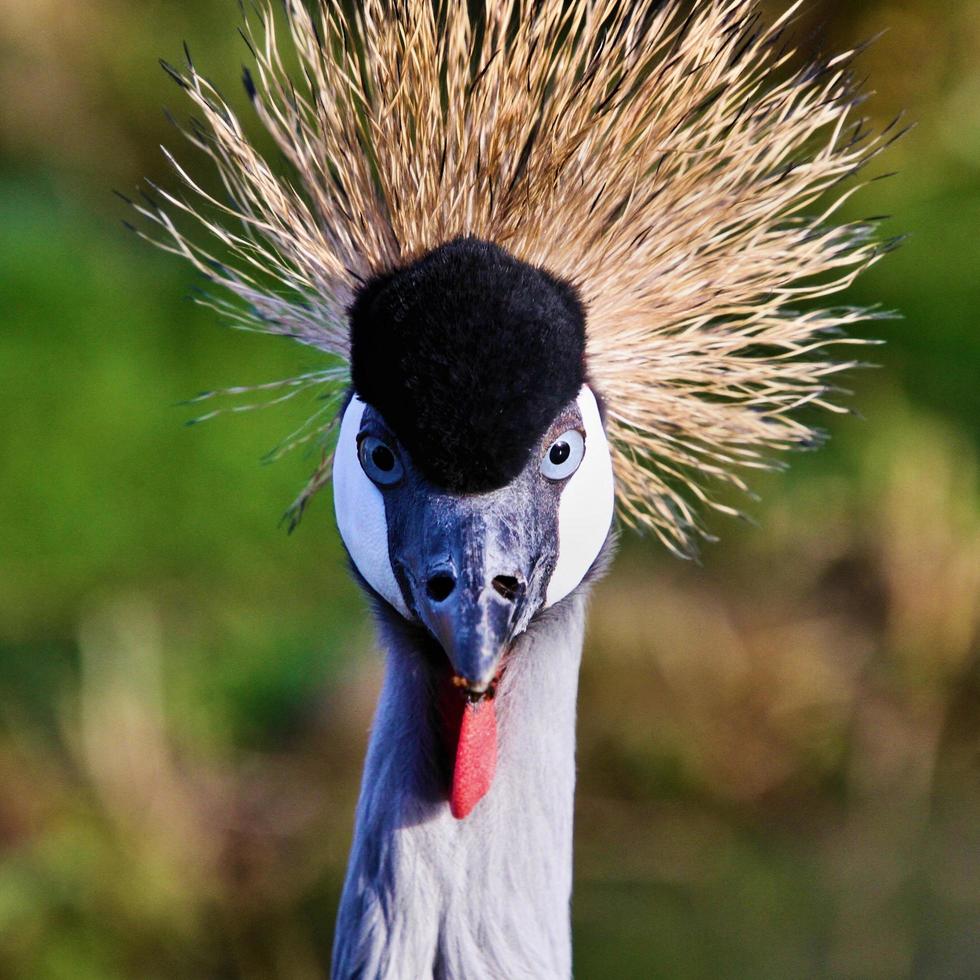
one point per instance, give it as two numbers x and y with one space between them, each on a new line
360 512
585 511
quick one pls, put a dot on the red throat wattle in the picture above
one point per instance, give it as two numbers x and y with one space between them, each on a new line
469 732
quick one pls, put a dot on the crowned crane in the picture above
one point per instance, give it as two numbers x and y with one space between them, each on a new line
561 255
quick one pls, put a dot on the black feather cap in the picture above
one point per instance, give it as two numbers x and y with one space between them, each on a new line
469 354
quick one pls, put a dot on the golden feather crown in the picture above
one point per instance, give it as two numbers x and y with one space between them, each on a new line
674 161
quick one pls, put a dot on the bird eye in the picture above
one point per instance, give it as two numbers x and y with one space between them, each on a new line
379 461
564 455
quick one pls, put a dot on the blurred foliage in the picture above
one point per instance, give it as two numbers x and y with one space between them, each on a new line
779 747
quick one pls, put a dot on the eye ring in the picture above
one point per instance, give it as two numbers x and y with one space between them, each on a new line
564 456
379 461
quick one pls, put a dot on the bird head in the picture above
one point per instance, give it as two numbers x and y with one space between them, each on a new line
678 162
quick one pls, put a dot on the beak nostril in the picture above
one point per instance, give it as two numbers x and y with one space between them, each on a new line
507 586
440 586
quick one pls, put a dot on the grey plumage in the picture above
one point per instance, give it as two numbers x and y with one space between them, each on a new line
427 895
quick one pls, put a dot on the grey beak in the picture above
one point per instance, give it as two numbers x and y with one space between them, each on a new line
465 586
473 626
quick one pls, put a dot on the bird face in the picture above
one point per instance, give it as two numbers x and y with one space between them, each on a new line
472 479
474 568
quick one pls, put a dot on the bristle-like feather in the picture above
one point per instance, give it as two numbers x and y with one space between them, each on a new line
676 163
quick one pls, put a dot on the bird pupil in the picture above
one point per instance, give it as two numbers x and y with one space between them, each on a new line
383 458
560 451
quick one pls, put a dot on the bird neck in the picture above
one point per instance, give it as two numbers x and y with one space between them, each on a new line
429 895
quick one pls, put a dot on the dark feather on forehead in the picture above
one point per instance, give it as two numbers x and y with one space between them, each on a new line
468 354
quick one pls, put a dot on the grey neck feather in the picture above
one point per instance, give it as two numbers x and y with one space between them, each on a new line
488 896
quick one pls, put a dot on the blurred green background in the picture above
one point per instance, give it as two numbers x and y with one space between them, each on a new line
778 747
